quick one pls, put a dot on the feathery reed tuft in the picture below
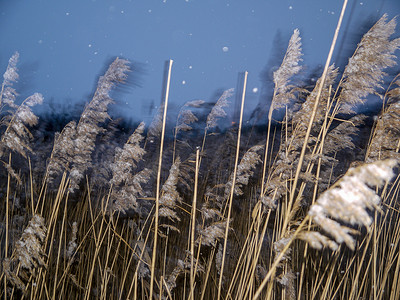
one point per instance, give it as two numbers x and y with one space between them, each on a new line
364 73
283 92
348 200
29 253
94 114
218 110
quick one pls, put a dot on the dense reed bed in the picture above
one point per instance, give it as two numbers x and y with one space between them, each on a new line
303 207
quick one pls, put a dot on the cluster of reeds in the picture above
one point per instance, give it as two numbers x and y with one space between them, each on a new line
301 208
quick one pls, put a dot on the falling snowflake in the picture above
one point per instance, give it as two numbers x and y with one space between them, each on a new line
255 90
225 49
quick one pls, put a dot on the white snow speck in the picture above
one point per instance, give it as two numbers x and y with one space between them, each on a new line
149 10
190 67
95 52
67 13
255 90
290 7
225 49
183 81
361 3
122 11
90 45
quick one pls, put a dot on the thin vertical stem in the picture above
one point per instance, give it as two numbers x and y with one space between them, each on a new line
309 127
192 272
7 217
153 259
233 185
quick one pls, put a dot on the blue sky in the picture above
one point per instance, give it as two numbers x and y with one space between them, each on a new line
65 45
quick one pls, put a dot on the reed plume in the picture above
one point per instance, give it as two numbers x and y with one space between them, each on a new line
186 116
169 194
245 168
63 152
29 253
126 186
284 92
17 135
386 135
218 111
8 94
364 73
348 200
94 114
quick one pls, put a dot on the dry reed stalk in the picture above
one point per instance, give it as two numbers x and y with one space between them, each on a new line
193 229
157 204
228 218
291 204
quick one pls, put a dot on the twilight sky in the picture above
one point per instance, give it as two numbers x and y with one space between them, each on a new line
65 45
